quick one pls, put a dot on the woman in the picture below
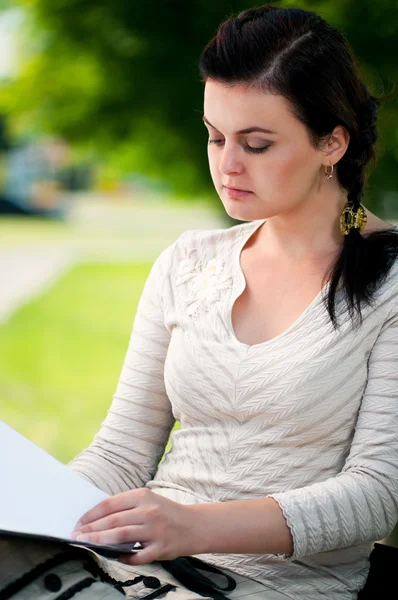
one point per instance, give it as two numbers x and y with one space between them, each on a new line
274 342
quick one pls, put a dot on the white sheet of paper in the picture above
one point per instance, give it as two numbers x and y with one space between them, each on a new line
39 494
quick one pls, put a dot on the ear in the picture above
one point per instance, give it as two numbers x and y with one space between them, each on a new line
336 145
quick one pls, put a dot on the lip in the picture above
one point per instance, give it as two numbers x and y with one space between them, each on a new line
236 193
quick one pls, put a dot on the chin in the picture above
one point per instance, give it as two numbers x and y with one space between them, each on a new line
240 212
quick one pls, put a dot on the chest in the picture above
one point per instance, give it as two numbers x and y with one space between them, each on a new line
275 296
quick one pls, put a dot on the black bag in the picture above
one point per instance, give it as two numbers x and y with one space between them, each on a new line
382 580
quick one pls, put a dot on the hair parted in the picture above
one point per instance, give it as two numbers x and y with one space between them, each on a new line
297 54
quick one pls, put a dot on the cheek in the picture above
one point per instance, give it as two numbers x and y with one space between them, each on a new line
281 176
298 159
284 167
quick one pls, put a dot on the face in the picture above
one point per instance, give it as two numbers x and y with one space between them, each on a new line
280 169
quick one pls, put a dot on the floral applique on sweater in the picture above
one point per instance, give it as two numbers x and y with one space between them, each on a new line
204 282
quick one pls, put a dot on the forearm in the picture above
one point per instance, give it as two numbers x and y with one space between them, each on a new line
107 475
240 527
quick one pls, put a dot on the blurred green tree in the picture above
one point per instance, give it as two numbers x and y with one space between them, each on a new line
122 76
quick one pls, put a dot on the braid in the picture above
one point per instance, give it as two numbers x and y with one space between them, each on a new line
351 173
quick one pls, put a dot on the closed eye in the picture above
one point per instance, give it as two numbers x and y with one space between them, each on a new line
248 148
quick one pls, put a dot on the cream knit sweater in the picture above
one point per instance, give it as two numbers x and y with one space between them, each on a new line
309 417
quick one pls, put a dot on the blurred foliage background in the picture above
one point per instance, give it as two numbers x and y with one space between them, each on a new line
119 80
102 142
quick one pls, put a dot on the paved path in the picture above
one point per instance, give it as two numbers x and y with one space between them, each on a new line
25 275
100 231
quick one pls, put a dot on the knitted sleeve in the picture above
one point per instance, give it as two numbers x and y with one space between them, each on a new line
127 449
361 503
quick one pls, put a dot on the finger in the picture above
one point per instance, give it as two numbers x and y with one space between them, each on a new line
143 557
117 503
113 521
119 535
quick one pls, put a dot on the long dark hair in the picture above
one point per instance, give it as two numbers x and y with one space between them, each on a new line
296 53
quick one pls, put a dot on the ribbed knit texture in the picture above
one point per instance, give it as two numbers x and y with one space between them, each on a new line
309 417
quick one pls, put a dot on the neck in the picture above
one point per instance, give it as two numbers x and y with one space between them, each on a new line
309 232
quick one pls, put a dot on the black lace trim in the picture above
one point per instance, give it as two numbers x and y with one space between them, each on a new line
40 569
78 587
95 569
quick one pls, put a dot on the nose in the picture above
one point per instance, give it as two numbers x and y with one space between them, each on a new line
230 161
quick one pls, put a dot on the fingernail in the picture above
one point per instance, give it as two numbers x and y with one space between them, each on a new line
78 525
82 537
75 533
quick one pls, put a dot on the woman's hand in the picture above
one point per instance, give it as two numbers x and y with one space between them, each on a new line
163 527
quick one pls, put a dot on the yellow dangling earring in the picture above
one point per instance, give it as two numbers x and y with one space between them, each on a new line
352 219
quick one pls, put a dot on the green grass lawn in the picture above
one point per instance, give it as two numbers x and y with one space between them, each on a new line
61 355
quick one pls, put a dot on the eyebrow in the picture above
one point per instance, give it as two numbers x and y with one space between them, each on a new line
247 130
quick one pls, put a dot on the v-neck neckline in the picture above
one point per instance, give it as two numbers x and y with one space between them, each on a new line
240 287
